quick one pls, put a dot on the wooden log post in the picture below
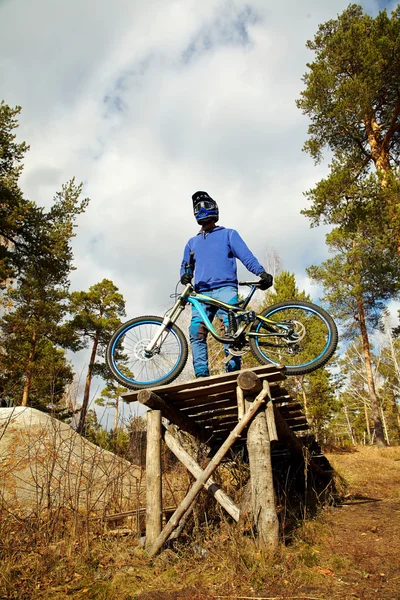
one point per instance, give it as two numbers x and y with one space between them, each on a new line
269 413
240 402
208 471
153 477
261 480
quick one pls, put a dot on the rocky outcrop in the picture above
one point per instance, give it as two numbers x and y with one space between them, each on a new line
45 464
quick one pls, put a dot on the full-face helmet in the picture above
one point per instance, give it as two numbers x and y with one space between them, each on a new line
204 207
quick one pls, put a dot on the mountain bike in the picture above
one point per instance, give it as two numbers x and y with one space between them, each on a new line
149 351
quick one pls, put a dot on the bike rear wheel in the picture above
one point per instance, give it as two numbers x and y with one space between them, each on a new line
128 362
310 340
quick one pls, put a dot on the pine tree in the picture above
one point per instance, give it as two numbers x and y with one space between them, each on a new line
357 287
110 397
96 315
314 391
32 329
16 213
352 97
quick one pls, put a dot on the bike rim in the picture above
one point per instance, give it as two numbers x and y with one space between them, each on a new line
134 367
311 349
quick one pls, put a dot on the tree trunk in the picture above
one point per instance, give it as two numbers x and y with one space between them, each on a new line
385 427
395 406
380 155
395 409
85 403
116 415
29 370
380 438
304 395
367 421
346 413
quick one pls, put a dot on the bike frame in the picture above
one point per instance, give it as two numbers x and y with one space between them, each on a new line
197 300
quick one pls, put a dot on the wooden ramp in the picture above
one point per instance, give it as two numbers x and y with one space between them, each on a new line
214 411
208 406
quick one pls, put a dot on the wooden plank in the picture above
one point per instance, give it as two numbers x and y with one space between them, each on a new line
281 399
295 420
132 396
152 400
212 413
205 401
217 388
292 414
228 396
240 402
214 388
209 406
290 407
299 427
217 421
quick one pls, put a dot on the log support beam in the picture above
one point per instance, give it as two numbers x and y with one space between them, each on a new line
153 477
264 514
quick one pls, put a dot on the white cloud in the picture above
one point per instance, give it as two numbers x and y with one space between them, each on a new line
145 102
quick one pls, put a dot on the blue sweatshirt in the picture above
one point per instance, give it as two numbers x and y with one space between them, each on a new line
215 254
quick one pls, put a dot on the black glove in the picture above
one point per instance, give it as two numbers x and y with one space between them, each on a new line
185 279
266 280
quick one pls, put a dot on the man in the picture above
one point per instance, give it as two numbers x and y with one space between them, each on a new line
215 252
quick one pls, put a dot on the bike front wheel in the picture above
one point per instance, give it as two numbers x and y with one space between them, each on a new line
129 363
299 335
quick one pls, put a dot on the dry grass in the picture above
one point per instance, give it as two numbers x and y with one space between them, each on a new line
350 551
370 468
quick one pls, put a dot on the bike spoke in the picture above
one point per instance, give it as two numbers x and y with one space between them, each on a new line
130 356
307 337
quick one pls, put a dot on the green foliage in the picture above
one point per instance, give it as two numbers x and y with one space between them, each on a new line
110 397
353 82
316 391
50 377
32 328
128 441
355 397
356 274
15 212
96 315
351 96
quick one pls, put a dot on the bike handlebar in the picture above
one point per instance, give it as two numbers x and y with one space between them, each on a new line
250 283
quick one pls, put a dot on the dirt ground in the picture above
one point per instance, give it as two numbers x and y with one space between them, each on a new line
349 552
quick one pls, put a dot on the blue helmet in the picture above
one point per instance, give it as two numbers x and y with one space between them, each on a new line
204 207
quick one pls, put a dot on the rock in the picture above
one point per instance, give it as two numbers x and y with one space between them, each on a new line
45 464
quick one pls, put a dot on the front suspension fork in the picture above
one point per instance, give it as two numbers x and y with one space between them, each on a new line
171 317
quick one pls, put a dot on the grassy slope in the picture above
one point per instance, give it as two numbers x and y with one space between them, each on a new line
350 551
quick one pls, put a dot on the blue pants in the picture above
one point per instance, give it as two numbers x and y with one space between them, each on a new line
198 331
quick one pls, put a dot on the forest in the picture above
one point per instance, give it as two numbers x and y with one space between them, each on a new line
351 98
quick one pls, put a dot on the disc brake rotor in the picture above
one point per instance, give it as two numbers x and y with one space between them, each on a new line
140 350
297 334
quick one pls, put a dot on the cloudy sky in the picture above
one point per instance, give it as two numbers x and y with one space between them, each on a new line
147 101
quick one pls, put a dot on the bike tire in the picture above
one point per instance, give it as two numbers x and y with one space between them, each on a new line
132 358
323 326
